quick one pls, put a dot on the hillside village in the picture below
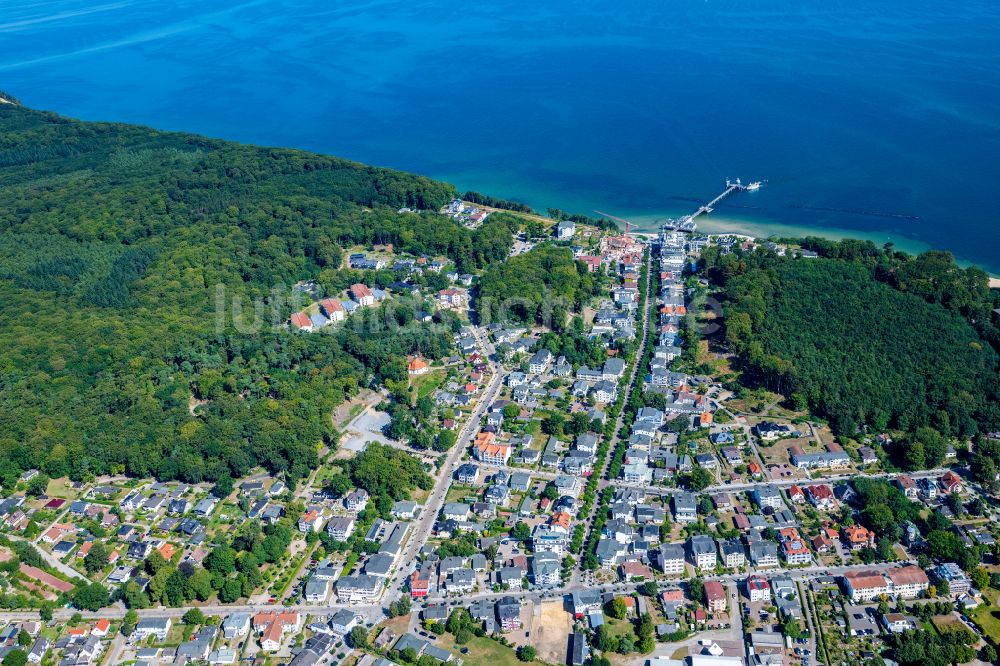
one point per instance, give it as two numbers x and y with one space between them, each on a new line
592 495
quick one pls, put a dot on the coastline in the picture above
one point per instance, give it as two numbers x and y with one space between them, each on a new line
714 224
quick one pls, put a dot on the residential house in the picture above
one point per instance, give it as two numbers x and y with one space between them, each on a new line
311 521
821 497
768 497
157 627
273 625
715 596
488 451
236 625
546 569
763 554
908 582
520 481
605 392
565 229
332 308
794 548
468 474
857 537
540 362
897 623
584 601
733 553
907 485
834 457
455 511
951 482
362 294
865 585
405 509
356 500
317 590
958 581
702 550
508 611
417 367
358 588
758 589
685 508
341 527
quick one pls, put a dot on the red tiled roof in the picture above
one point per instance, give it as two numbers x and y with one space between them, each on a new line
714 590
331 305
858 534
908 575
820 492
865 579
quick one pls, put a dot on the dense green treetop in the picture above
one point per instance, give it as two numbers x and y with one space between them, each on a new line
540 286
114 242
861 344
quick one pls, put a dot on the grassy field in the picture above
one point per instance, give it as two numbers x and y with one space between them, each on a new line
987 617
946 624
618 628
60 488
428 383
458 493
484 651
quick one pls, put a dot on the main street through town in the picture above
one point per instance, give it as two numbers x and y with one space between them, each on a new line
421 529
589 520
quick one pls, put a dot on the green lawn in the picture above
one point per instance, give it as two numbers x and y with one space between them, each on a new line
458 493
60 488
428 383
483 651
619 628
987 617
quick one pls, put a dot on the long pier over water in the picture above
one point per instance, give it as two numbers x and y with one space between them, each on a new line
687 223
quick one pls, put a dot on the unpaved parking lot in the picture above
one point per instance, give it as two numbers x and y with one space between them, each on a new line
550 629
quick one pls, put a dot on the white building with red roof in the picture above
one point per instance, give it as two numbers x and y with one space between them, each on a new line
362 294
821 497
332 308
866 585
301 321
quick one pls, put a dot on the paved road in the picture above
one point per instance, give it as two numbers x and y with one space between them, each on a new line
374 612
421 530
51 559
806 599
114 652
616 433
784 483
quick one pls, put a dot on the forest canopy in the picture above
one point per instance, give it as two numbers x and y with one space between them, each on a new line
539 286
865 339
113 241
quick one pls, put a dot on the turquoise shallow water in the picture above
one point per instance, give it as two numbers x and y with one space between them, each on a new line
880 119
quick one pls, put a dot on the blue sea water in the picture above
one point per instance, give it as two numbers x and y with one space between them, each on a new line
874 119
